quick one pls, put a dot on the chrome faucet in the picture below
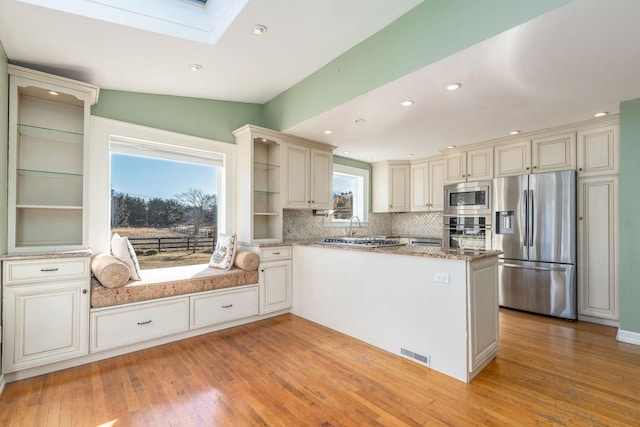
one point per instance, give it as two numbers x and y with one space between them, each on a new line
351 225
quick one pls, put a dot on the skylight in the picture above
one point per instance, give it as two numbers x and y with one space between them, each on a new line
197 20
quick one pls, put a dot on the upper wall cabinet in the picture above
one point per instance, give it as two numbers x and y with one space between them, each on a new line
427 185
391 186
472 165
599 150
308 176
49 128
542 154
554 153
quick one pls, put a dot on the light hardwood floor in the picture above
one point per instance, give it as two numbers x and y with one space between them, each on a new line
288 371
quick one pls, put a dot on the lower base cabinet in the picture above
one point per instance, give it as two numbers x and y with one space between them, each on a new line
223 306
118 326
46 312
483 319
275 277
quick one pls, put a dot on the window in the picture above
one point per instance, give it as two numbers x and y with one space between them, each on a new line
350 195
166 202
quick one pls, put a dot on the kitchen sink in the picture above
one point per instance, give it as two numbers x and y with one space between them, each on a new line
360 242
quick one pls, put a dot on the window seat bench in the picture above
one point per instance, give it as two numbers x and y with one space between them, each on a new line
168 282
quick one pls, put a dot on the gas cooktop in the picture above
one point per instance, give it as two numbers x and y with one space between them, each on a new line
360 242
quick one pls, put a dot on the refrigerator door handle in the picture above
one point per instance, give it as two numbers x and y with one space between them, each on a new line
504 264
531 218
525 220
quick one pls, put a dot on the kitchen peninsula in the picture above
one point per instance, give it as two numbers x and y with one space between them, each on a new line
437 307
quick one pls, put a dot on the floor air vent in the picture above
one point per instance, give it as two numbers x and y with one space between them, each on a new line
421 358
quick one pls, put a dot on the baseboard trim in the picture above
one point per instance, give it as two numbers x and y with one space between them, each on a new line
2 384
628 337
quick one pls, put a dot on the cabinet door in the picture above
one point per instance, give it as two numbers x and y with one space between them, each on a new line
296 179
512 159
321 179
483 312
455 168
45 323
399 187
275 286
598 280
599 151
554 153
436 185
420 187
480 164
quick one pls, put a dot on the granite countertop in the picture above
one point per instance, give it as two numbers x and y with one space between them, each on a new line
265 244
411 250
48 255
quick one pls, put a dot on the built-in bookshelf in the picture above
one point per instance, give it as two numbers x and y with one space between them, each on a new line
48 130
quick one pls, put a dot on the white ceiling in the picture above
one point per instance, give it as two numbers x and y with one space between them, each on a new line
557 69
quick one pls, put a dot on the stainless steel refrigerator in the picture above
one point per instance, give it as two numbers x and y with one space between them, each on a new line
535 227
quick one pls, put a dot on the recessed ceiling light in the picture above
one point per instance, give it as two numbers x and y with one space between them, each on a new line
346 152
408 103
409 155
359 120
514 132
328 132
451 146
53 92
454 86
258 29
601 114
369 158
195 67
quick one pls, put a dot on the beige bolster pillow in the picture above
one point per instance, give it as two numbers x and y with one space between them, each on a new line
246 260
109 270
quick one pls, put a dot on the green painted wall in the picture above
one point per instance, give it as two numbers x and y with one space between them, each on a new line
191 116
350 162
629 215
431 31
4 138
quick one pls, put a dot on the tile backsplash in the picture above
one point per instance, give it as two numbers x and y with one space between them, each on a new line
302 225
424 224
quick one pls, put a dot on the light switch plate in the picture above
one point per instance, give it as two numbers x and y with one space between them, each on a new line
441 277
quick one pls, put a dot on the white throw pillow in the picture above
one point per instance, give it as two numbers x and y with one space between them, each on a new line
121 248
225 252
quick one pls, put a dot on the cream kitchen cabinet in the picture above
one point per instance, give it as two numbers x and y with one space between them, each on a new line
259 184
308 177
484 334
546 153
45 311
275 277
472 165
598 240
599 150
48 162
427 185
391 186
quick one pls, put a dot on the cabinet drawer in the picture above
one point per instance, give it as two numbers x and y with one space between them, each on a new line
128 325
274 253
223 306
29 271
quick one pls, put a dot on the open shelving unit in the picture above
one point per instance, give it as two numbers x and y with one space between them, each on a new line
259 185
48 130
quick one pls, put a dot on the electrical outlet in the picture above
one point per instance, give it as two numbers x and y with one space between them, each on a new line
441 277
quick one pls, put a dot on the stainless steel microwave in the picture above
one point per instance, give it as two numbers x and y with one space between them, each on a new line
468 198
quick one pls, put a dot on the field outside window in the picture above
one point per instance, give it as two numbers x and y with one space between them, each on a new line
167 208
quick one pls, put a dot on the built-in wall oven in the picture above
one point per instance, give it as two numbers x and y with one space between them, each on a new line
467 216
